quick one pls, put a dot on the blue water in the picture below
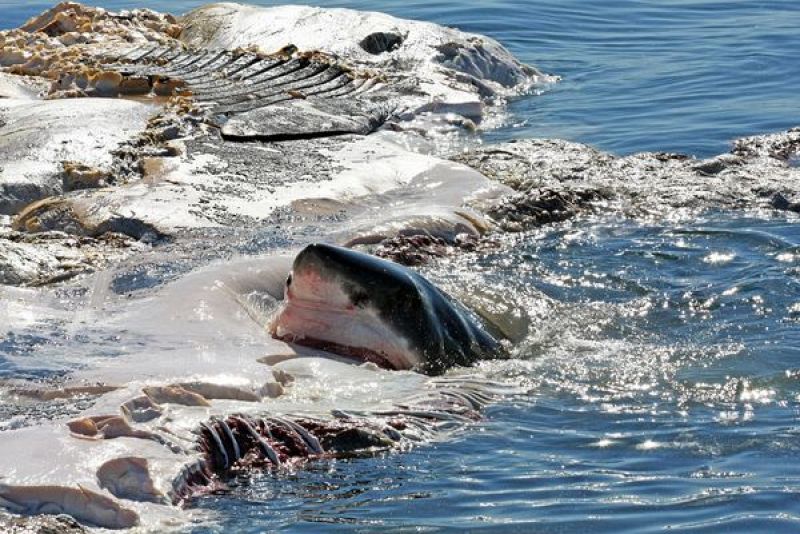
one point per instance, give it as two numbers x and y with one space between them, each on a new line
663 372
684 75
663 360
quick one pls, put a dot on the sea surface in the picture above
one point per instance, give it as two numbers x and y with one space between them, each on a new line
663 392
663 360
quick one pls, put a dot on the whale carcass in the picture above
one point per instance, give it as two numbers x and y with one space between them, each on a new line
178 420
236 117
231 130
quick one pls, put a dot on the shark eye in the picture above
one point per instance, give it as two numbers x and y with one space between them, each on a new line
359 299
289 280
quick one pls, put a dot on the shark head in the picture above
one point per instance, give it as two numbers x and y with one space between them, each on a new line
361 306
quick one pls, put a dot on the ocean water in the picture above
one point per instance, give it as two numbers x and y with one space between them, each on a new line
662 372
662 363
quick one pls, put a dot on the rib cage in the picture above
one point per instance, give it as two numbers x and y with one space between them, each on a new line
231 82
243 443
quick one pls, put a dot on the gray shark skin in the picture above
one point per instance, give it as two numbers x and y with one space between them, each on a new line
357 305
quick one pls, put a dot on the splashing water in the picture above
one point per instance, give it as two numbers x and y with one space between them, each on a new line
663 391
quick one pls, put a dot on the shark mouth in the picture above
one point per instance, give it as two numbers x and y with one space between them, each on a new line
319 325
361 354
